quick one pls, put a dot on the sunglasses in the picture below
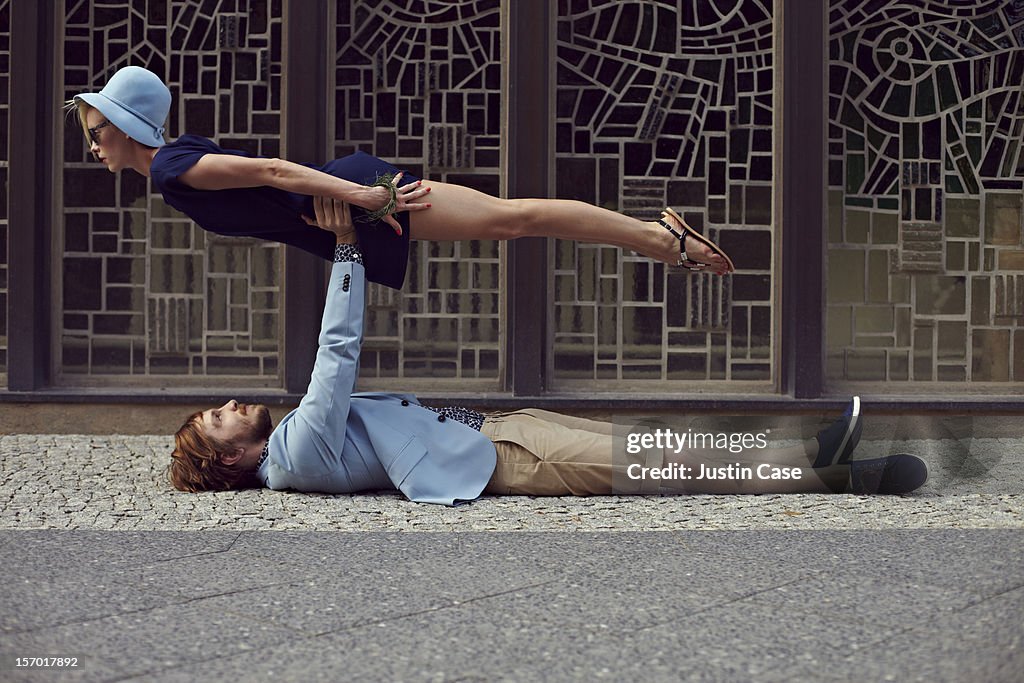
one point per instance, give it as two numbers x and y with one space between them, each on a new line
94 132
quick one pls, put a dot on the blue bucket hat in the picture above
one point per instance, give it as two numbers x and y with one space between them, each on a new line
136 101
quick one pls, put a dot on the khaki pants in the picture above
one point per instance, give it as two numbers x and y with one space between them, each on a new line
541 453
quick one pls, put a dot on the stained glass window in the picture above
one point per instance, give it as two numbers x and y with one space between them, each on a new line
666 104
418 82
145 291
926 245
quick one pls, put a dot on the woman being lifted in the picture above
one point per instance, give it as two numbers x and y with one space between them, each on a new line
229 192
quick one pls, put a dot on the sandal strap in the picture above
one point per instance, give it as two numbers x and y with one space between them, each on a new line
684 260
678 235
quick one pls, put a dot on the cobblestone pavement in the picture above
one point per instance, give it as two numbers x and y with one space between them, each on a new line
118 482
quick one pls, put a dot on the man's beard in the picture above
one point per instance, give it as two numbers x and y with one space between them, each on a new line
262 427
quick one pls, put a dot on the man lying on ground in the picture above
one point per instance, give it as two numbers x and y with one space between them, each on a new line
338 441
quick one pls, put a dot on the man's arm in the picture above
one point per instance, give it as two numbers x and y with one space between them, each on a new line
325 406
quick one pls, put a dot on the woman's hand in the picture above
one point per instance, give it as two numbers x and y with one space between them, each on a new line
406 196
335 216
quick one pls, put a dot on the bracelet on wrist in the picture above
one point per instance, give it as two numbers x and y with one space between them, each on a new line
387 181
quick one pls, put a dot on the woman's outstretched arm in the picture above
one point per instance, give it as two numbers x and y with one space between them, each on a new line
227 171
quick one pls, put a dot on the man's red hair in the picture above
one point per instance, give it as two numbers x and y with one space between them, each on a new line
197 461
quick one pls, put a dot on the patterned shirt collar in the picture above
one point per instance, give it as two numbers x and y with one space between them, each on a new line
470 418
264 454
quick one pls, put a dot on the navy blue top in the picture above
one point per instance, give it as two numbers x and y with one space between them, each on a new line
272 214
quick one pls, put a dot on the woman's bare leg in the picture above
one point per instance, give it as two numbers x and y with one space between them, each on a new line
461 213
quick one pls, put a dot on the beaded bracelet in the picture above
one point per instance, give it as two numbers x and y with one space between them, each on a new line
385 180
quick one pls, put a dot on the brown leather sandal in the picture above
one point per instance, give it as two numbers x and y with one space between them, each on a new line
684 260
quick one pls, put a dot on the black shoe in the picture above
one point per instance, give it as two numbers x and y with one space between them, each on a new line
900 473
837 441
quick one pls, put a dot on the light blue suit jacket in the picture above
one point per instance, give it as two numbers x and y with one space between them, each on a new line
340 442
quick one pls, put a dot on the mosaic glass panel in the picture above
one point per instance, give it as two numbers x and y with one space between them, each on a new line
666 104
145 291
5 82
418 82
926 182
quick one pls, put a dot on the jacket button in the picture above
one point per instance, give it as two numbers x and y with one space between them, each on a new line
440 418
405 402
